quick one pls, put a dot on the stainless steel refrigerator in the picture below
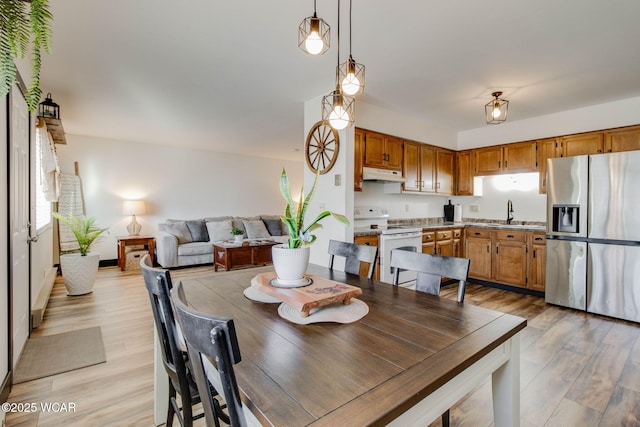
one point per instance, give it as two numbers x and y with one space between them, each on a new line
593 234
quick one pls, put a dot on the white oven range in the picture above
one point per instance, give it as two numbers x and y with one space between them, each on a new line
391 237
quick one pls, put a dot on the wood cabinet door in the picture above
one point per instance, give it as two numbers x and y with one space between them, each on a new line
627 139
584 143
464 172
429 248
520 157
364 266
411 166
444 248
537 265
510 264
427 168
488 160
393 150
358 159
546 150
479 252
374 154
444 171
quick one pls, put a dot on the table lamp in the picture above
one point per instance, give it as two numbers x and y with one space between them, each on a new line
133 208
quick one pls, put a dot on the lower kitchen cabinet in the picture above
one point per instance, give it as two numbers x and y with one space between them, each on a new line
477 243
444 242
364 266
537 262
510 258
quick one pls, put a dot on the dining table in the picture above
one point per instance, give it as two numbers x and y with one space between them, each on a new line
406 362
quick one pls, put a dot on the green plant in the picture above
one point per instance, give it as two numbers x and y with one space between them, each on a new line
236 231
299 234
83 229
18 27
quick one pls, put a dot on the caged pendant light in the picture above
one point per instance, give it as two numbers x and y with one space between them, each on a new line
496 110
314 34
337 108
351 73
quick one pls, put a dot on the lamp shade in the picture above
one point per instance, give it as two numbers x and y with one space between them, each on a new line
134 207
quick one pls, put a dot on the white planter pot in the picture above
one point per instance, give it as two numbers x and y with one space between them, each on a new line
290 264
79 272
238 238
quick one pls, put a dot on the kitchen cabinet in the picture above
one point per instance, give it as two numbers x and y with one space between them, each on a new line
382 151
358 160
625 139
477 242
428 169
457 242
547 149
364 266
445 161
537 262
509 158
428 242
488 161
464 173
510 258
581 144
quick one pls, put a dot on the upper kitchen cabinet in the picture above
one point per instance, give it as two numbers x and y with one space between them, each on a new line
382 151
358 159
428 169
488 160
445 161
581 144
464 172
510 158
547 149
626 139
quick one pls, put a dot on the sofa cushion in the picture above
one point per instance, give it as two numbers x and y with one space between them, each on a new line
219 230
255 229
195 248
216 218
198 230
236 222
273 226
180 230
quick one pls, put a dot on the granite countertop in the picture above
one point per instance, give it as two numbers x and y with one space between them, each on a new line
434 225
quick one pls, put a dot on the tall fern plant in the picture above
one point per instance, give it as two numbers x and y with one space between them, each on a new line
20 26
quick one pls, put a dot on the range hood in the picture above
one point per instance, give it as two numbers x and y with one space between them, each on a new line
375 174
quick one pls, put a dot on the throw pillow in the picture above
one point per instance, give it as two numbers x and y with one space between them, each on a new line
255 229
219 230
180 230
198 230
273 226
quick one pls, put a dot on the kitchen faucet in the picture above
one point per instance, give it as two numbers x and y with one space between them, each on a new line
509 211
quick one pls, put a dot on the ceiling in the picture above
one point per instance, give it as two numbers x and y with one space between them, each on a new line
228 75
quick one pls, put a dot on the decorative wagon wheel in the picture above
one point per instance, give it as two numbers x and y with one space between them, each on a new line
323 144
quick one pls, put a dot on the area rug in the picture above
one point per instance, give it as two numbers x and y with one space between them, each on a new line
54 354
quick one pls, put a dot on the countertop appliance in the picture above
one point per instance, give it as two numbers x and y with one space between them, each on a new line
367 218
593 234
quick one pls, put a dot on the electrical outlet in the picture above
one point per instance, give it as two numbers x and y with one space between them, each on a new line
474 208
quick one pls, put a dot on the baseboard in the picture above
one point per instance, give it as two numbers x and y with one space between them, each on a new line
40 305
515 289
6 388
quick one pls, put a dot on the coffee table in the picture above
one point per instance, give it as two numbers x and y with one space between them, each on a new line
232 255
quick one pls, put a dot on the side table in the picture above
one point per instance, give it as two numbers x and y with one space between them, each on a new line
123 241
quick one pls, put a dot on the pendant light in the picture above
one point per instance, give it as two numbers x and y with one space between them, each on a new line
350 73
496 110
337 108
314 34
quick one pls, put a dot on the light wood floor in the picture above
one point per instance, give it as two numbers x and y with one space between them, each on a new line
576 369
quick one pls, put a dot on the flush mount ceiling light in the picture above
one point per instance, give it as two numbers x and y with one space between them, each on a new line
337 108
314 34
496 110
350 73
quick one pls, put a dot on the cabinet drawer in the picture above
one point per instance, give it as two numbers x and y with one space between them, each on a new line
538 239
517 236
478 232
457 233
444 235
366 240
428 236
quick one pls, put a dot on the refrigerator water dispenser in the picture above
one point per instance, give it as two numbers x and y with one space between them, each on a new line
565 218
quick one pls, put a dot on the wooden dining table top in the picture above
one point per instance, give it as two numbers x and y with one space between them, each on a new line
362 373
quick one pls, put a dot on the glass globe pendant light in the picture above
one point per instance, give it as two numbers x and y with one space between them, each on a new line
314 34
350 73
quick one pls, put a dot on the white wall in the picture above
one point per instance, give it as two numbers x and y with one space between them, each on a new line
4 243
175 182
400 206
602 116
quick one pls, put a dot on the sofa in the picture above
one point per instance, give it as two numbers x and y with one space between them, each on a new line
182 243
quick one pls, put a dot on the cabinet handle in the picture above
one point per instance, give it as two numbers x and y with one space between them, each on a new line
599 151
477 233
488 248
505 164
534 253
444 234
497 248
510 236
538 239
498 164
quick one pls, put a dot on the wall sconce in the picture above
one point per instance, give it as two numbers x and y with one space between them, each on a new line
133 208
496 110
48 108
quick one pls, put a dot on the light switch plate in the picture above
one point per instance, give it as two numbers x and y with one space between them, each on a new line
474 208
337 180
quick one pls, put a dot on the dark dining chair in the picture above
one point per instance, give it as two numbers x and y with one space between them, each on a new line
430 270
354 254
174 358
211 337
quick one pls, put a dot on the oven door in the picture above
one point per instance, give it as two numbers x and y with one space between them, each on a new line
389 242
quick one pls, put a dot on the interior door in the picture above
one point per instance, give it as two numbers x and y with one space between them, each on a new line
19 221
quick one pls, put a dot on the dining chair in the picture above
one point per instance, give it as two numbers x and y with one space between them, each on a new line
174 358
430 270
354 254
213 338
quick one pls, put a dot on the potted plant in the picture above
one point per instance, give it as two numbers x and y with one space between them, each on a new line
79 269
291 259
238 235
